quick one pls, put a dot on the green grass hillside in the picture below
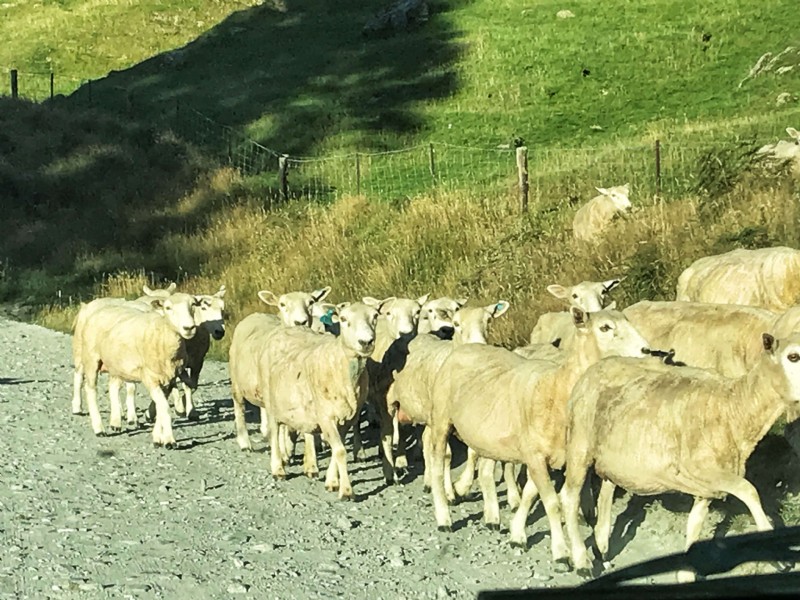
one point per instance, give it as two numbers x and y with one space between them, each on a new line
114 183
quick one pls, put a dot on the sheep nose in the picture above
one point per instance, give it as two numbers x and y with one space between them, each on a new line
189 331
301 323
646 351
366 343
219 334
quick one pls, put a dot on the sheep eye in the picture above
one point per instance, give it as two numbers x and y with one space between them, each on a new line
456 323
574 295
342 320
605 328
283 305
793 357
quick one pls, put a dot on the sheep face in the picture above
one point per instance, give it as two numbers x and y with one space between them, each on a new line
401 314
179 309
590 296
785 353
295 307
357 323
208 313
611 332
437 315
618 196
472 323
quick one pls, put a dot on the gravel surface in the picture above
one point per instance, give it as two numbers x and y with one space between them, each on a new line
112 517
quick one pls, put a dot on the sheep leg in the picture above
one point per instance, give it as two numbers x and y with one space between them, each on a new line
337 476
694 526
385 433
491 507
398 444
436 461
744 491
310 467
517 526
177 402
602 528
275 455
242 437
427 457
539 474
264 423
90 389
512 489
191 413
130 404
570 500
448 477
77 381
464 483
115 418
359 453
162 430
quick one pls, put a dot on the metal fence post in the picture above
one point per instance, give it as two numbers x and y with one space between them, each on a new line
522 177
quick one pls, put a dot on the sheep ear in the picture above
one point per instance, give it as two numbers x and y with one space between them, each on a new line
221 292
373 302
384 302
611 284
321 293
498 309
461 301
559 291
579 317
172 287
770 343
603 191
627 188
793 133
146 290
423 299
611 306
268 298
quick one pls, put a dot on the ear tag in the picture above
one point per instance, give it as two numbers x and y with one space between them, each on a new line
327 318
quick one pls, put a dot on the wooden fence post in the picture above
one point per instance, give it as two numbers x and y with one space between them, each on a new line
358 174
14 84
522 175
658 167
432 161
52 85
283 175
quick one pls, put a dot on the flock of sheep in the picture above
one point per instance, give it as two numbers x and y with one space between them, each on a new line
662 396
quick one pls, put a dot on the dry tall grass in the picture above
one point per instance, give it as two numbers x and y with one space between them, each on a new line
456 244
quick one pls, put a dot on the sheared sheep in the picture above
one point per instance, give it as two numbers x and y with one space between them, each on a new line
409 369
785 151
318 383
512 409
767 277
136 345
594 217
650 429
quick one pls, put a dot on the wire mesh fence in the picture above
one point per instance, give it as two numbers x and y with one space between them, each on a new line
37 85
664 169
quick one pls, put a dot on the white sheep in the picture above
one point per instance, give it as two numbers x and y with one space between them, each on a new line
511 409
135 345
249 337
651 429
318 383
409 368
767 277
594 217
437 315
784 151
589 296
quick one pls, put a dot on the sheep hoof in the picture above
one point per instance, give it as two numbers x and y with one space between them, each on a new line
115 428
193 416
347 498
426 488
445 528
312 474
493 526
332 487
279 477
516 544
100 434
134 424
171 445
400 474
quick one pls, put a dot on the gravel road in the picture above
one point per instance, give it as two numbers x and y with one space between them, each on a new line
88 517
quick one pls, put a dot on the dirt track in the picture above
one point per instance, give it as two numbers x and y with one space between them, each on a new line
88 517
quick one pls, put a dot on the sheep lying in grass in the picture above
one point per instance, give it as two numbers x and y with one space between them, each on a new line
767 277
595 216
409 369
318 383
514 410
589 296
249 337
135 345
650 429
785 151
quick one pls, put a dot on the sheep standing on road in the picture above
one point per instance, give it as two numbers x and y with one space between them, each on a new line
318 383
596 215
650 429
512 409
135 345
767 277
